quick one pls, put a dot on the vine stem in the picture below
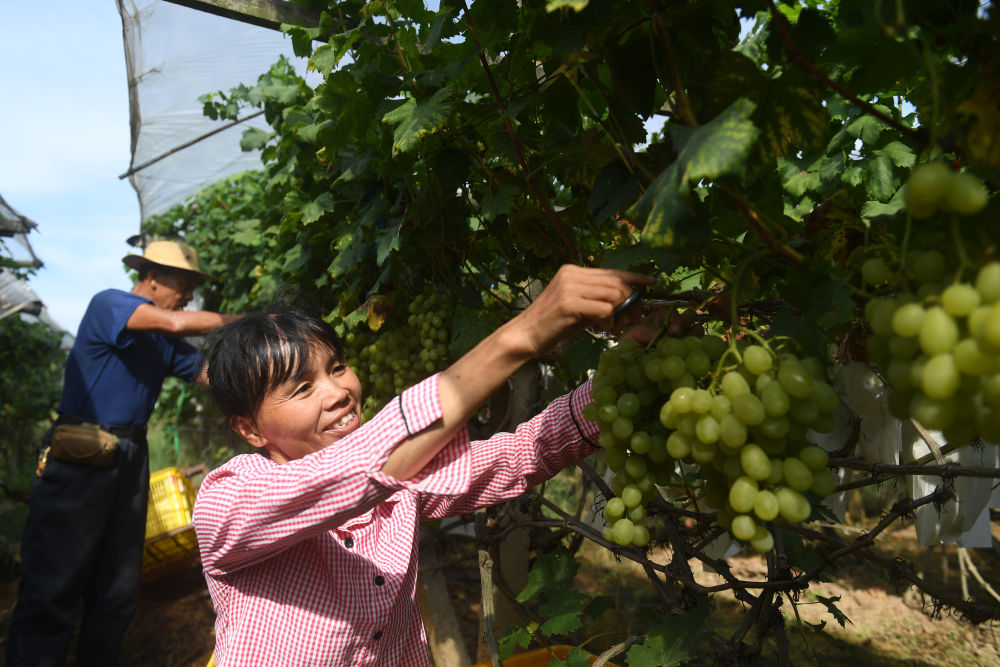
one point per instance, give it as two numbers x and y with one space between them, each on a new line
570 248
963 257
976 612
486 586
964 557
758 226
891 470
617 649
817 73
683 103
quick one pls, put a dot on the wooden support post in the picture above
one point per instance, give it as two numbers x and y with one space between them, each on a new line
265 13
446 643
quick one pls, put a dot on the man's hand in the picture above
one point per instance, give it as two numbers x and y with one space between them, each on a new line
147 317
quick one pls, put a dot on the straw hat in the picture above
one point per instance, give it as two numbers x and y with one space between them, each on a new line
171 254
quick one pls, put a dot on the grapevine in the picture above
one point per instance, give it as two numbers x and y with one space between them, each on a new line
832 164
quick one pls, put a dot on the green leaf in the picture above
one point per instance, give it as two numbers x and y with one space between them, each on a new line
549 571
247 232
470 326
417 119
718 148
254 139
582 354
283 93
853 176
801 182
562 612
879 178
314 210
513 638
598 605
898 153
838 615
500 202
323 60
673 642
866 128
791 118
873 209
349 253
434 34
340 44
387 241
575 658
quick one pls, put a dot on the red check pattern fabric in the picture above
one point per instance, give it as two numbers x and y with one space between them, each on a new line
315 562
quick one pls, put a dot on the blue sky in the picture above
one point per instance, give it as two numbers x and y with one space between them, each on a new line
65 139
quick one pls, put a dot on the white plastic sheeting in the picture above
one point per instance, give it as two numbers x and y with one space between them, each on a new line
174 55
15 293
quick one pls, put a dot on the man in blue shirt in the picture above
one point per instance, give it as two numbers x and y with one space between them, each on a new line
86 525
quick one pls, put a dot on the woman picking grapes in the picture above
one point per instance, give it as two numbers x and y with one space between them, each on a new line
310 551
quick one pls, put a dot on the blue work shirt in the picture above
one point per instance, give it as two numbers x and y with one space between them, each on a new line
113 375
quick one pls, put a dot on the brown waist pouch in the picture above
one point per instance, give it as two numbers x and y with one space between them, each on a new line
88 444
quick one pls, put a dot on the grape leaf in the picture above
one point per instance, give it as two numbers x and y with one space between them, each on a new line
879 178
791 117
582 354
417 119
673 642
499 202
469 326
866 128
515 637
718 148
254 139
549 570
350 252
898 153
387 240
838 615
575 658
314 210
562 611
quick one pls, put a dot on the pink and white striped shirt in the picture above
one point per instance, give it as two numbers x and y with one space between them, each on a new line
315 562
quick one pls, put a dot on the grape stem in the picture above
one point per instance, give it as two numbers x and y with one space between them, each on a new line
963 257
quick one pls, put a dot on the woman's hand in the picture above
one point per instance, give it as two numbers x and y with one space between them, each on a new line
577 298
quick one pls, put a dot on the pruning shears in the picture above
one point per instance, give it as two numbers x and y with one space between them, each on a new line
639 294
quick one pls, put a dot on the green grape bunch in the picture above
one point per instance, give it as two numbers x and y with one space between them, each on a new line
405 350
938 346
744 426
933 187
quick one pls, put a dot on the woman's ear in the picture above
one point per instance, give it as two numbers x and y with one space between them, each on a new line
247 429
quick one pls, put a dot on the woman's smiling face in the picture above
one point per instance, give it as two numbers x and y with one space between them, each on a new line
307 413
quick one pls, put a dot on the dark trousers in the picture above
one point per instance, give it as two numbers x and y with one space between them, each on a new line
83 541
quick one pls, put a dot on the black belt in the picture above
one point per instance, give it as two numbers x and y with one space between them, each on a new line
130 431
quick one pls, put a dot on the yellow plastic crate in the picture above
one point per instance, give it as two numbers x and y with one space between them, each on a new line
170 538
540 657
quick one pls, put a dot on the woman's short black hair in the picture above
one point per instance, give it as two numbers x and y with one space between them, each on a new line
251 356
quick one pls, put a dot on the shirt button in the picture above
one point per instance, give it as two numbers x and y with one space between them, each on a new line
379 580
377 635
349 542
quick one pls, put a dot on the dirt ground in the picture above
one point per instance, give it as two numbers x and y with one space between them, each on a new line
173 624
